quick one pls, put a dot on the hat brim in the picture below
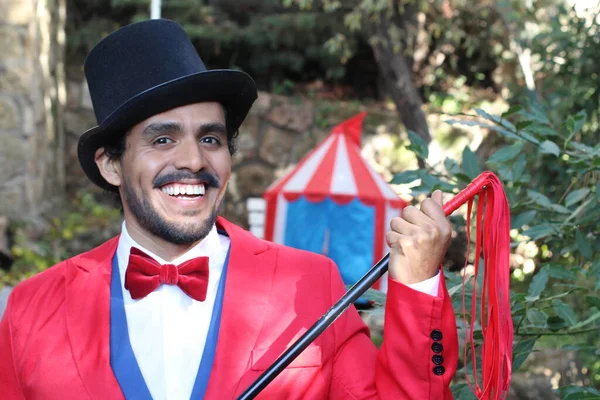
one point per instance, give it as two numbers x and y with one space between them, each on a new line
235 90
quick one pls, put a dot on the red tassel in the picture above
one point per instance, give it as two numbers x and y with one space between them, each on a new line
493 243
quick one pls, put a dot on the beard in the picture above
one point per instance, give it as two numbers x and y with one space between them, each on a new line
150 220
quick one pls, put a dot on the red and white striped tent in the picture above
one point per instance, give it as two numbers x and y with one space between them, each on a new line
334 203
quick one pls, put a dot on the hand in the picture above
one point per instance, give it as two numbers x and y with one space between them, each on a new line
418 241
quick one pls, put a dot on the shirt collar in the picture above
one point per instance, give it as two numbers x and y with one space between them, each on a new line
209 246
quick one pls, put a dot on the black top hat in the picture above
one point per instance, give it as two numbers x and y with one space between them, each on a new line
147 68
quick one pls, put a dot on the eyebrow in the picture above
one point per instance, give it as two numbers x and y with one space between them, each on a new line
213 127
162 128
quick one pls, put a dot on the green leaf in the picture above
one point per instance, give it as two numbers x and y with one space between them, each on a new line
466 394
537 318
598 191
406 177
583 245
519 166
418 145
537 285
571 124
523 124
576 196
564 311
451 166
549 147
521 351
539 231
578 393
538 198
560 272
587 321
433 183
470 166
506 153
522 219
513 109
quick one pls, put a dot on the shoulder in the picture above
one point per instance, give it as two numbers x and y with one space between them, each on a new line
47 288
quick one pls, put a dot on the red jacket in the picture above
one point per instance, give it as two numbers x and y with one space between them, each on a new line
54 336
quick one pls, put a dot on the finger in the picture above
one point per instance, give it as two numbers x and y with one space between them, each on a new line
402 226
416 217
438 197
432 207
393 240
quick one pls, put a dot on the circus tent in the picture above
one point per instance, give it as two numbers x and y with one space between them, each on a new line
334 203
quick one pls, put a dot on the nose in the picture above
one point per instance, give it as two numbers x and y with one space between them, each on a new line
189 156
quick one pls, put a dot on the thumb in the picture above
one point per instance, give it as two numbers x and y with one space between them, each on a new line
437 196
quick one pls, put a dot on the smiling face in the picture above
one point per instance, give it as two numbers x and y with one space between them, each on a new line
173 175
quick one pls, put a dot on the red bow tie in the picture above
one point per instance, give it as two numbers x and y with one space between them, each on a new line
144 275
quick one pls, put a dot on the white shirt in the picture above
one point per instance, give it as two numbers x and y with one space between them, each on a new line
168 329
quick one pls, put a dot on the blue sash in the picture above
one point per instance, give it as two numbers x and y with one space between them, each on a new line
122 358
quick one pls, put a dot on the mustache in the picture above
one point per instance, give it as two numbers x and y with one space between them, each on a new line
209 179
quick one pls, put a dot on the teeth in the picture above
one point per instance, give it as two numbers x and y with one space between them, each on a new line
175 190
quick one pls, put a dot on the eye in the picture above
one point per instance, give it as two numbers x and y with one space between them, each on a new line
162 140
210 140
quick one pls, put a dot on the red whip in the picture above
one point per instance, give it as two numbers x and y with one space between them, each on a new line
493 243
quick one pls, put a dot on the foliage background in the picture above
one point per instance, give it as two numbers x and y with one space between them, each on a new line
513 86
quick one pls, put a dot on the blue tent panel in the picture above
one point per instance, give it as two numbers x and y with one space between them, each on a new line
344 233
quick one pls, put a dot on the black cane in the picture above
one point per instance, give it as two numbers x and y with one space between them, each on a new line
353 294
357 290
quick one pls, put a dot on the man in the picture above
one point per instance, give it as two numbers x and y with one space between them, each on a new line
184 304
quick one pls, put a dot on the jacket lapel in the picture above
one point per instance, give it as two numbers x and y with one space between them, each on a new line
88 319
247 289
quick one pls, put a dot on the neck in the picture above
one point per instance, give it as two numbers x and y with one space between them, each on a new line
164 249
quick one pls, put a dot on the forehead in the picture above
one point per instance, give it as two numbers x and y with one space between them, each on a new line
192 115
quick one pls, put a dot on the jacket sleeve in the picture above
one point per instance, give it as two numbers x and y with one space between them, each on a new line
9 382
418 356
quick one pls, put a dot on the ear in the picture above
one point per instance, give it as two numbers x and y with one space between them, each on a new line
109 168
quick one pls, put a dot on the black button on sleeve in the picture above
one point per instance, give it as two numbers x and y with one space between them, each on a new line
437 347
436 335
437 359
439 370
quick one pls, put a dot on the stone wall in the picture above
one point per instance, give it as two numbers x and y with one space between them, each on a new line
31 135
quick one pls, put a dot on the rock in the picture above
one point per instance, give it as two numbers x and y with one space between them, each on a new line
8 114
12 200
251 180
73 93
86 98
247 140
77 122
262 104
297 117
305 143
11 41
15 79
17 12
5 253
13 158
276 146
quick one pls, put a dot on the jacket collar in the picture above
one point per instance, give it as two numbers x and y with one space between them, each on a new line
247 288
